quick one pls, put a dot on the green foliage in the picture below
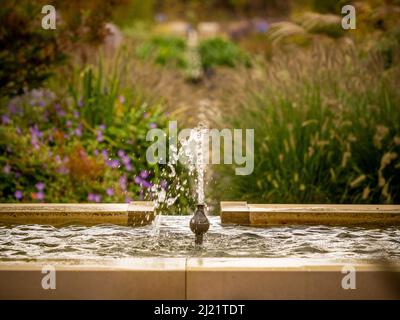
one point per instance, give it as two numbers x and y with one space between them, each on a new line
97 90
133 11
28 53
326 132
89 145
220 52
165 51
388 46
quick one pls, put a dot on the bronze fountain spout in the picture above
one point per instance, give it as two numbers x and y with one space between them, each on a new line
199 224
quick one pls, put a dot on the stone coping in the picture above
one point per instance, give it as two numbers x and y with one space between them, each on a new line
200 278
308 214
136 213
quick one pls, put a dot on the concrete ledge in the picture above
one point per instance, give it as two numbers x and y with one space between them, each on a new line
235 213
136 213
140 213
284 214
257 279
199 278
138 278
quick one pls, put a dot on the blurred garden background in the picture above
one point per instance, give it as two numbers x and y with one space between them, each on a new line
76 102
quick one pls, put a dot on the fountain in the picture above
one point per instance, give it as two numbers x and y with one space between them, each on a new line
193 153
199 223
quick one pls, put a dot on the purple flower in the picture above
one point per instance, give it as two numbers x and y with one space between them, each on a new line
7 169
104 153
39 195
18 130
123 182
261 26
126 160
41 103
40 186
110 192
146 184
142 182
76 114
113 163
160 17
99 136
12 108
144 174
127 199
60 112
164 184
62 170
78 130
17 175
128 167
5 119
35 135
121 99
94 197
102 127
80 103
146 115
35 131
138 180
18 194
121 153
68 124
152 125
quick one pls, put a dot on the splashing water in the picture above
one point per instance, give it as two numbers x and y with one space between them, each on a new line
193 153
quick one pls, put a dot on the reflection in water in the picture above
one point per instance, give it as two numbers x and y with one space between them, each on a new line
174 239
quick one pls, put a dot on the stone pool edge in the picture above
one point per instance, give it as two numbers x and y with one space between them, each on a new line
136 213
201 278
242 213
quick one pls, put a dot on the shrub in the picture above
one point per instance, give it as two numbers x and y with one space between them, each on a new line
327 130
220 52
28 53
57 148
165 51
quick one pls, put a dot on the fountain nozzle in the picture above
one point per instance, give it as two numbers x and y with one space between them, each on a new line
199 223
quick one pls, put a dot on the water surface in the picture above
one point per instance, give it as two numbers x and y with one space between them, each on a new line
170 236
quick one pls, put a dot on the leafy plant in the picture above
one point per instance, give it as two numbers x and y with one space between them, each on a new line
28 53
325 132
220 52
165 51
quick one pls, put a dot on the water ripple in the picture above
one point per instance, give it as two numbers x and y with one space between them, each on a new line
173 238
